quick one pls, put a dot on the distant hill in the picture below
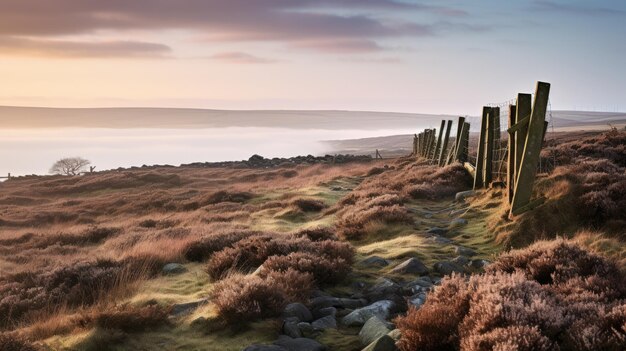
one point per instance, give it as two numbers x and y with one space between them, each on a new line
39 117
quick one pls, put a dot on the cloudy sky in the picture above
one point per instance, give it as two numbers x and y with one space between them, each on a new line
384 55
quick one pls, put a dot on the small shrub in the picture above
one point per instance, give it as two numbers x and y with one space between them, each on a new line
351 226
240 298
202 249
325 270
316 234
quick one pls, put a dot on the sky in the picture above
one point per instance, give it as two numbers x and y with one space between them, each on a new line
448 57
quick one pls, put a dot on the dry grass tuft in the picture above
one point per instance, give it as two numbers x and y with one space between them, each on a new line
12 342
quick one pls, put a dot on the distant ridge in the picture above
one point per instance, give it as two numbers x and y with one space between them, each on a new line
145 117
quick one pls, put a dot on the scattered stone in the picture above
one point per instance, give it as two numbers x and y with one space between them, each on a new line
478 263
298 344
320 302
461 260
375 261
418 299
457 222
410 266
437 231
447 268
180 309
323 312
440 239
384 343
328 322
264 348
290 328
381 309
373 329
174 268
464 251
420 285
384 289
299 311
307 330
460 196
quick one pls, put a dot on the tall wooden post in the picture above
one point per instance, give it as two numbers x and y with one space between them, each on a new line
510 169
494 113
438 145
522 113
445 144
459 128
431 143
463 145
420 143
532 149
480 156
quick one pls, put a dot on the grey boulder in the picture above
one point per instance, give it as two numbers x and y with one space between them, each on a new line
328 322
299 311
381 309
447 268
373 329
410 266
173 268
384 343
298 344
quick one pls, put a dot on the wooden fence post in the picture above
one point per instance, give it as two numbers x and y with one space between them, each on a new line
444 147
454 149
494 113
532 149
431 138
523 106
510 169
480 155
463 145
438 145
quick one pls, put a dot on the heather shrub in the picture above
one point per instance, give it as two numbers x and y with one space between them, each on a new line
309 205
552 295
443 182
73 285
325 270
352 225
241 298
12 342
200 250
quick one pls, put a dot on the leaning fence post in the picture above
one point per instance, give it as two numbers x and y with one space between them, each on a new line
523 107
532 149
510 169
480 155
438 145
444 147
454 149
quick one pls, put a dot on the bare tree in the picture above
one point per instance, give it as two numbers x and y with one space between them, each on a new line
69 166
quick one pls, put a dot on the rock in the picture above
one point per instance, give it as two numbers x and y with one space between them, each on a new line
373 329
299 311
411 266
457 222
384 343
264 348
323 312
461 260
180 309
395 334
306 329
328 322
384 289
437 231
290 327
478 263
381 309
320 302
464 251
299 344
440 239
447 268
422 284
173 268
418 299
460 196
375 261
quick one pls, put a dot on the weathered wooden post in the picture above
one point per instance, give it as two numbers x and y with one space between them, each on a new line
480 155
420 142
510 169
462 154
445 144
429 142
438 145
494 113
454 149
522 116
532 149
